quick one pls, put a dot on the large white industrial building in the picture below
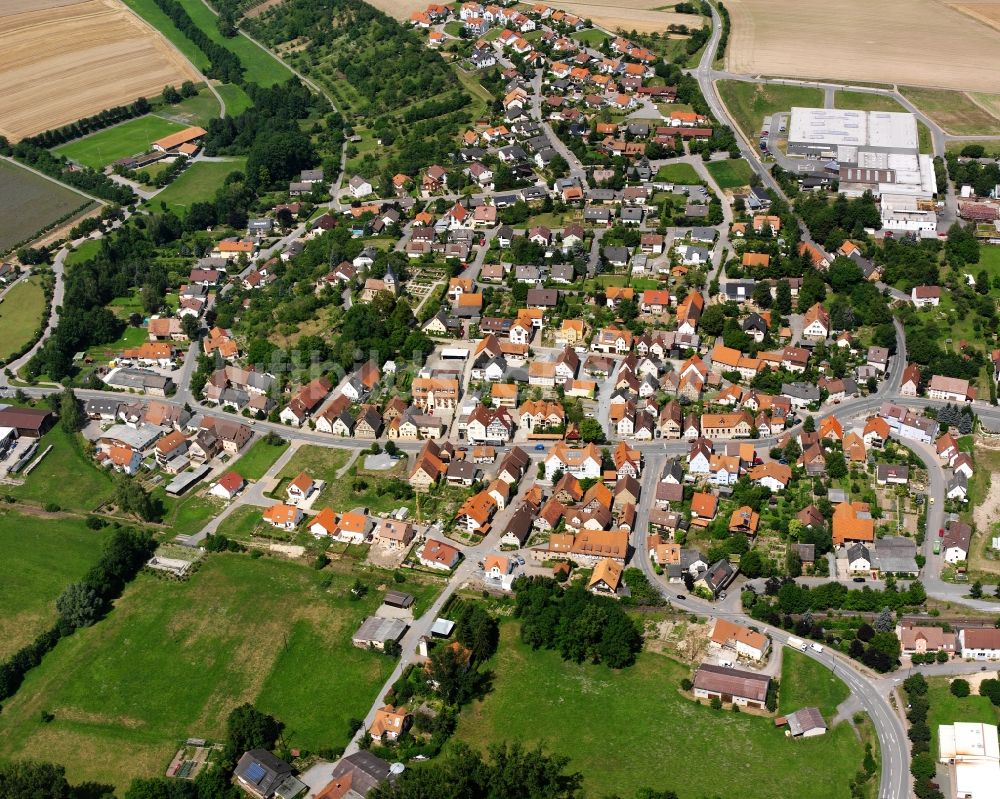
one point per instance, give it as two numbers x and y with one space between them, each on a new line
972 752
876 151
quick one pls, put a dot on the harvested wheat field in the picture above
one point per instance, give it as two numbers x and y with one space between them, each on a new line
642 16
63 61
910 42
400 9
988 13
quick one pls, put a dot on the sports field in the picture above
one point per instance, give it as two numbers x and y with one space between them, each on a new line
41 557
174 658
605 721
20 315
64 62
30 202
120 141
909 42
197 183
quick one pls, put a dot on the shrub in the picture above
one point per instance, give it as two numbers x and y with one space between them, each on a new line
960 688
716 703
686 684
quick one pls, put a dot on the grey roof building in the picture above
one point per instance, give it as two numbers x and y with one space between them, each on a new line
263 775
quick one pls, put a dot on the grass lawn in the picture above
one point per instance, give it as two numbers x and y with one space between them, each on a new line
189 514
197 183
40 559
260 66
481 97
605 720
750 103
730 174
807 683
678 173
553 219
347 493
863 101
258 459
991 146
241 524
20 315
66 476
237 101
946 708
173 658
321 463
120 141
149 11
132 337
591 37
953 111
198 110
84 252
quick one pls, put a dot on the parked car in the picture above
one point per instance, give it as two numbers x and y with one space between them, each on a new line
859 579
941 533
539 447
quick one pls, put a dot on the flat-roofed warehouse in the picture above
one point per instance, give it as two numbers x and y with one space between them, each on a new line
836 132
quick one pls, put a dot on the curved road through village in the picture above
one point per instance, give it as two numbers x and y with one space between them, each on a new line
872 692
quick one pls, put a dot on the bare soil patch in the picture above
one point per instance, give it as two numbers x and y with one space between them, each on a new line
66 61
909 42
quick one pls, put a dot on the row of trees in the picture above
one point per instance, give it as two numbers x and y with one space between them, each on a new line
224 65
84 178
84 602
922 764
87 125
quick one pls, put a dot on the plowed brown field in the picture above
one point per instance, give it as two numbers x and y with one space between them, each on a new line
63 61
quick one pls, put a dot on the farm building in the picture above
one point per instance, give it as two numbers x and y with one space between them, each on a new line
181 139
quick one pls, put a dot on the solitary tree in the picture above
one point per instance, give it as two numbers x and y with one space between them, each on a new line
79 605
70 415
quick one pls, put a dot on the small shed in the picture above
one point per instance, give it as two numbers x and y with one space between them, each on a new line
442 628
398 599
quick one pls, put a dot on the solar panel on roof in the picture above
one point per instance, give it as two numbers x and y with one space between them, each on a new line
255 773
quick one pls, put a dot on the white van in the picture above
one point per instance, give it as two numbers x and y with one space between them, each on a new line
817 648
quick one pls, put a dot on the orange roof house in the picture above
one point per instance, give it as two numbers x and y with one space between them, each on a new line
704 505
831 428
854 448
755 259
389 722
852 522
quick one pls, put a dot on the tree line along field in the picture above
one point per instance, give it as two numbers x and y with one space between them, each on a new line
63 62
30 202
40 557
173 658
610 722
